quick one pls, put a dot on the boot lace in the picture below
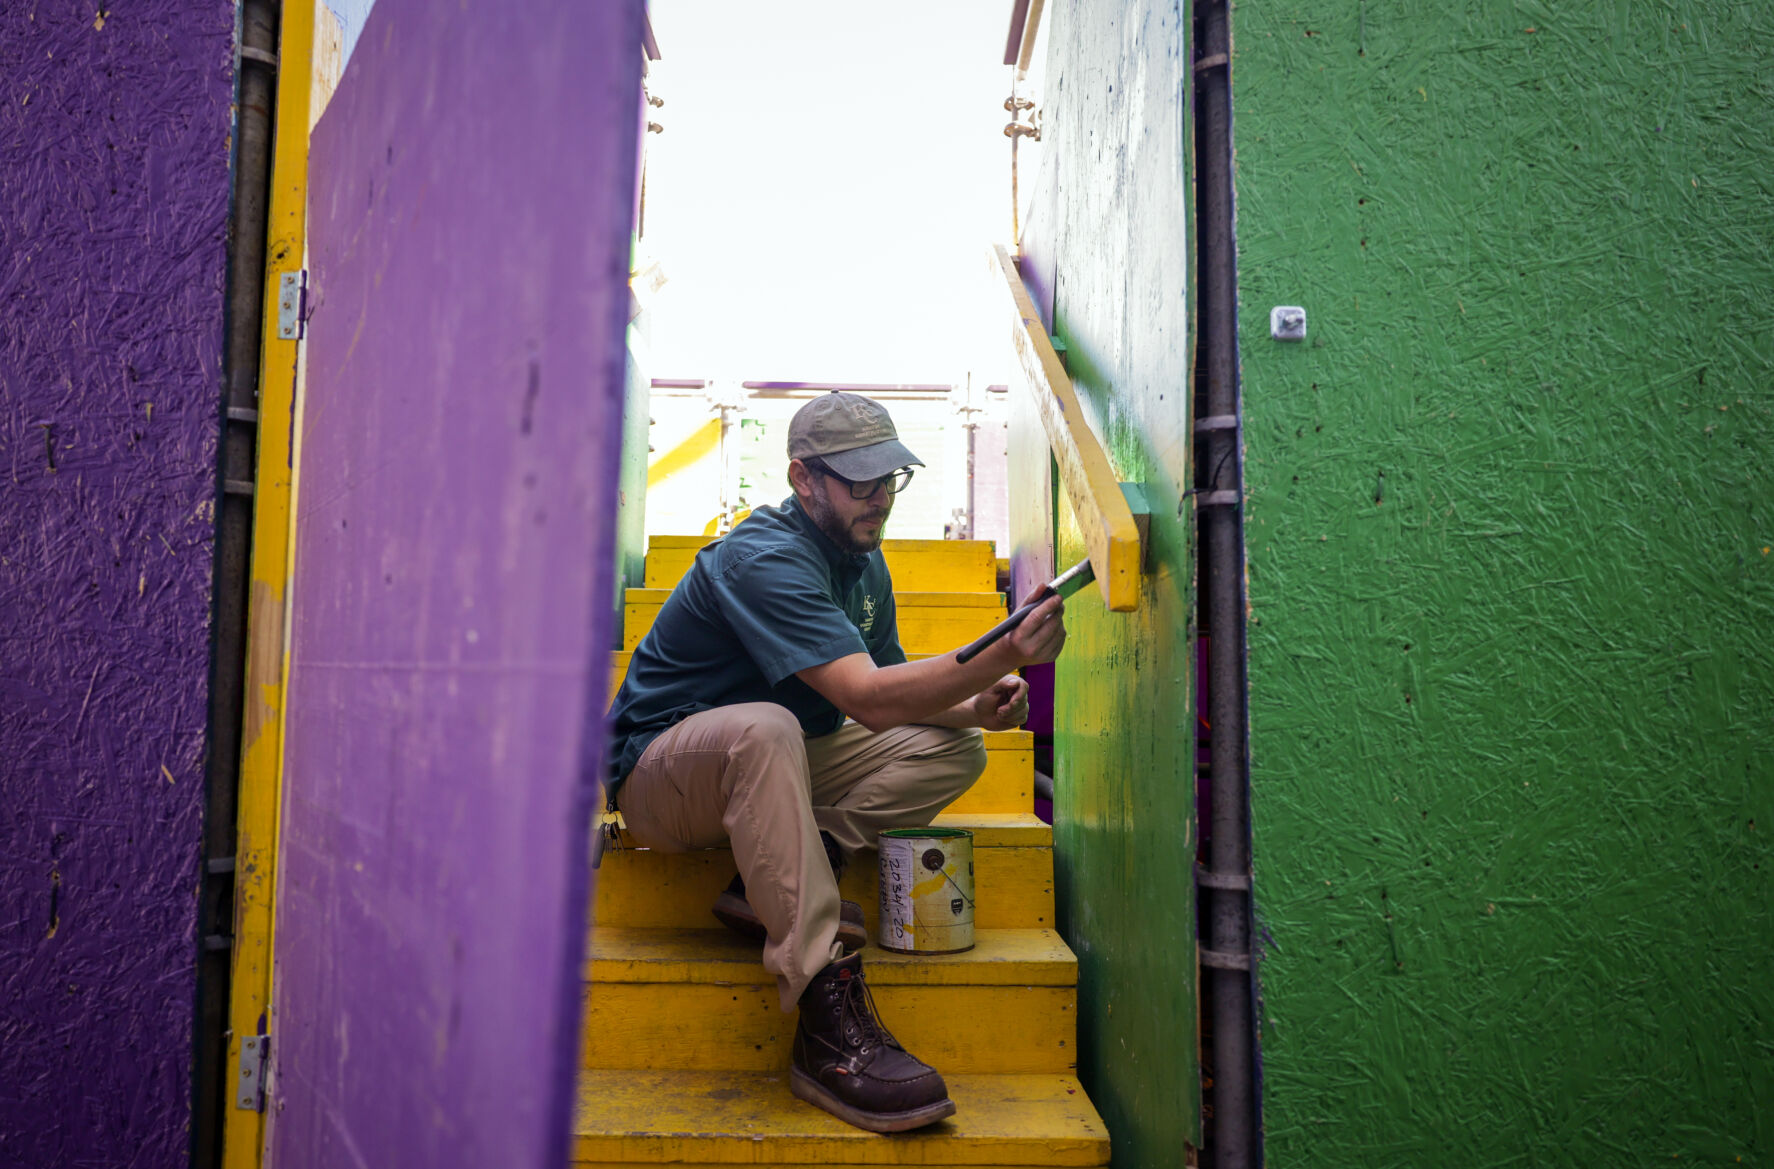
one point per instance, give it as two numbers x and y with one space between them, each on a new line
860 1020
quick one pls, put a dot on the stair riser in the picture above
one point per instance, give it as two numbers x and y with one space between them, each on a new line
1013 888
922 630
687 1027
1006 785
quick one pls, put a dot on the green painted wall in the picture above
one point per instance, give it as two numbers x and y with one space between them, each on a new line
1510 513
1114 235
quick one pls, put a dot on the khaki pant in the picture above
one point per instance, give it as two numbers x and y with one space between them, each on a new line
746 775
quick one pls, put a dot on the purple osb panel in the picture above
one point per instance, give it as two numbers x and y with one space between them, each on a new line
470 206
114 191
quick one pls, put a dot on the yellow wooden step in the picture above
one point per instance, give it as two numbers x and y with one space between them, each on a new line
929 623
697 1120
1012 866
959 566
700 1000
718 955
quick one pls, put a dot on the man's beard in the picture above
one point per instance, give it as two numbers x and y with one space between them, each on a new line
825 518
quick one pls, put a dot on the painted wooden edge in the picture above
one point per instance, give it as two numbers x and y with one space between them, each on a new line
261 763
1091 485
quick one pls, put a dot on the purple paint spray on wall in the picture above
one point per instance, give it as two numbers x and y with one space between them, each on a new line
470 207
114 135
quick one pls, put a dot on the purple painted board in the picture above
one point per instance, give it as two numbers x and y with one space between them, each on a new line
470 204
114 192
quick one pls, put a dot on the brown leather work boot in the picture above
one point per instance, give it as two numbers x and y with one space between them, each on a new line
736 913
847 1063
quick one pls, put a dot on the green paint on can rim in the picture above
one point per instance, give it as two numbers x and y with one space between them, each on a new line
926 833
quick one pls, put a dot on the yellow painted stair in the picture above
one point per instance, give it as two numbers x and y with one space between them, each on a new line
685 1051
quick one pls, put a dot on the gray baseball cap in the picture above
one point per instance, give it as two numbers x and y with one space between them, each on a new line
852 435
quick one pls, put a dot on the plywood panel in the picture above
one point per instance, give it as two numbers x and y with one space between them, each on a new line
114 206
471 201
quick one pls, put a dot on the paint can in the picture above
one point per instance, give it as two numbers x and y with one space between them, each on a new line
926 890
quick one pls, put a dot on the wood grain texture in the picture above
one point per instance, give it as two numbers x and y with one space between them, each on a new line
114 209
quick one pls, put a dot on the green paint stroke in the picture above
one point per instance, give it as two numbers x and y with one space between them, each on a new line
1512 644
1124 833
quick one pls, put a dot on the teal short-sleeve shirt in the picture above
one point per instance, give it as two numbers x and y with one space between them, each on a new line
771 599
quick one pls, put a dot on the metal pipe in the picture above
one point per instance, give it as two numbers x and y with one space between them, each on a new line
256 71
1227 961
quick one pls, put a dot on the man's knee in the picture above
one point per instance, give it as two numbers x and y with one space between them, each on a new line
973 753
766 741
963 754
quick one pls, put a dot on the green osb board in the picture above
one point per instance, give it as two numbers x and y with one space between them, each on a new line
1117 136
1512 640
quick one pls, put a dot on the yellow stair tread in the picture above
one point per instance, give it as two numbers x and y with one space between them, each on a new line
710 1118
1000 957
999 829
905 600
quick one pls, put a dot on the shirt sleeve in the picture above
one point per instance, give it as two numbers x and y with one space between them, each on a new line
779 605
889 653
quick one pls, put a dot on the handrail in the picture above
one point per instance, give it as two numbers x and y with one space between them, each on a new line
1111 535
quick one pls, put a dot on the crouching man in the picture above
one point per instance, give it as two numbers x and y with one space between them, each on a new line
771 707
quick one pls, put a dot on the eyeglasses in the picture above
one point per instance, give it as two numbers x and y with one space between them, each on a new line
894 483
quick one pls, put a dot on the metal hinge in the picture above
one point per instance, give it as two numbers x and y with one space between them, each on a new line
292 292
249 1090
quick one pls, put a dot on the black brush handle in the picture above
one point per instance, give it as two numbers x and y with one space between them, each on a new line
1003 627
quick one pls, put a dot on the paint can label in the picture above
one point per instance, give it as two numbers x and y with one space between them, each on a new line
926 890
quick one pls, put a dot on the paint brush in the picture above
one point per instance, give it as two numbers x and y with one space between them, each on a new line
1065 584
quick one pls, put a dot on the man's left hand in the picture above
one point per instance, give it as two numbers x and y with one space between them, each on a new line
1004 705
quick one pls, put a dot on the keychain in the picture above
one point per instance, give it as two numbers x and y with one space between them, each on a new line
609 832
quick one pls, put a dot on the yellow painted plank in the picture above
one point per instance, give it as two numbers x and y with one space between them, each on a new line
940 631
1008 784
1018 829
717 955
907 600
927 624
690 1119
960 566
1104 517
675 1026
904 598
261 758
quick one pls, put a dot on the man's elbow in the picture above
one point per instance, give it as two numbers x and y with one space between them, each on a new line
872 714
874 721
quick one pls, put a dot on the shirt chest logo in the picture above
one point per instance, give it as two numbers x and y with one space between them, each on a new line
868 609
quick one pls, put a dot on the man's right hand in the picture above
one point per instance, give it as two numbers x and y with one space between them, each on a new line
1041 635
883 697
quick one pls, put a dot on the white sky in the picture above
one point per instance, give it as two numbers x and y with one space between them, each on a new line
828 179
830 174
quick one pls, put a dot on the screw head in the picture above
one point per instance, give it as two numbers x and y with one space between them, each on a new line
1287 322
